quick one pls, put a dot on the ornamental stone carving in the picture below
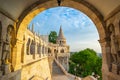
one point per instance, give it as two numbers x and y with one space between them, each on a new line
6 51
113 44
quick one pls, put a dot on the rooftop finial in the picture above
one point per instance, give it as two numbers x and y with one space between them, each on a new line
32 27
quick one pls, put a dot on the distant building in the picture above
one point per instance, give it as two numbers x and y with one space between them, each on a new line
40 44
60 50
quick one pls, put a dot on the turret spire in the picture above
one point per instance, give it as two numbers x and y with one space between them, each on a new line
61 39
32 27
61 35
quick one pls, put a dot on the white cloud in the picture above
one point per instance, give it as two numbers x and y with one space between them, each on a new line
38 24
78 28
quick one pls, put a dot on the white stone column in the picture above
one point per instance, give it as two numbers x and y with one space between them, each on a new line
106 59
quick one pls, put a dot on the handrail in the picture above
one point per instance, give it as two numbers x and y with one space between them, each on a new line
65 72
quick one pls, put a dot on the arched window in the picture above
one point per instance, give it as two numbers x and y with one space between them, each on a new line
28 47
49 50
55 51
32 47
39 48
62 51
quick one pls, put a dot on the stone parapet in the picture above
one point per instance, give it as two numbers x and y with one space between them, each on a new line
63 54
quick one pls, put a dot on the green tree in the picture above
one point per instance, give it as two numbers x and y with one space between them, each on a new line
53 36
85 62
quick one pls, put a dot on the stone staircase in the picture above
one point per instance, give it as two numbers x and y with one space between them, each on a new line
56 69
58 74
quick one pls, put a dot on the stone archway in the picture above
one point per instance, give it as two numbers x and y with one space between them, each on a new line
81 5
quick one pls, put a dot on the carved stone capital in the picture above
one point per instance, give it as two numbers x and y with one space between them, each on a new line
107 39
104 42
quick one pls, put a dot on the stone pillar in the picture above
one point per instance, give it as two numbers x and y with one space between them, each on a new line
35 50
24 51
40 50
46 51
105 58
1 45
16 55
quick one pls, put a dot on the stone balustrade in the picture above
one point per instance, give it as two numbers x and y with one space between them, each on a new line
63 55
66 73
34 47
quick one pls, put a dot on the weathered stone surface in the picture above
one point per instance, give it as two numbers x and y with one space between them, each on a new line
20 61
39 68
1 73
7 69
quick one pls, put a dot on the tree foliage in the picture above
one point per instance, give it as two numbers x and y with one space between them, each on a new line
85 62
53 36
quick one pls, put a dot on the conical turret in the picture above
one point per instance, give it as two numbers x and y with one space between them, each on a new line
32 27
61 36
61 39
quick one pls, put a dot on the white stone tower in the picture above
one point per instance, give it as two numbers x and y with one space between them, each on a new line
62 50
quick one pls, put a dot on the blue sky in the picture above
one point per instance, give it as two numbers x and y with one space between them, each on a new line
78 29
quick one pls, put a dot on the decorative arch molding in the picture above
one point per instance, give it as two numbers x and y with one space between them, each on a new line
81 5
30 12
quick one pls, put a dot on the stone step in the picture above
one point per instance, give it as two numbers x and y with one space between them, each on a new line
56 69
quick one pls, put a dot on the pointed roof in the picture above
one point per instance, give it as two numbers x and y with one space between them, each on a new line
61 35
32 27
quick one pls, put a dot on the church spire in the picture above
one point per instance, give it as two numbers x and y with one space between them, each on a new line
61 39
61 35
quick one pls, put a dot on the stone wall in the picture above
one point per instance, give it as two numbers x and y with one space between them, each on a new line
20 65
113 50
39 68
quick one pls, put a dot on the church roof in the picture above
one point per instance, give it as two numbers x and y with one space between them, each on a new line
61 35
